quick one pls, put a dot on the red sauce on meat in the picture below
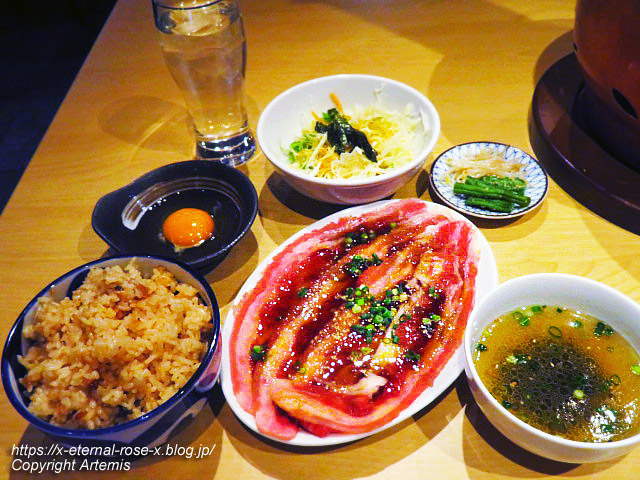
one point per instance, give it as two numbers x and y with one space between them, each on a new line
339 355
273 313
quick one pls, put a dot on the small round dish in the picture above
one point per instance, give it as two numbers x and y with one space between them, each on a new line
535 175
130 219
486 279
152 428
284 118
583 294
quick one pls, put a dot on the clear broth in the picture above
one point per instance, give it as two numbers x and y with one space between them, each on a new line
563 372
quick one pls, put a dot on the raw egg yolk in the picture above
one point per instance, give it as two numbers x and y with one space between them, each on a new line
188 227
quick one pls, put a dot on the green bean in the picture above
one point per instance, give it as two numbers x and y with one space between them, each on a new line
491 192
516 185
489 204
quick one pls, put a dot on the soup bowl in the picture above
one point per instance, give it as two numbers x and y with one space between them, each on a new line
588 296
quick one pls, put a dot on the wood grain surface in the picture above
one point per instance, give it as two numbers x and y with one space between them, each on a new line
477 60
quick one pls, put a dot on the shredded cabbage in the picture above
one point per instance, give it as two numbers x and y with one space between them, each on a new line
393 135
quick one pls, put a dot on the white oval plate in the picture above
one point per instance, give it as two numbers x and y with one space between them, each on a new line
534 173
486 280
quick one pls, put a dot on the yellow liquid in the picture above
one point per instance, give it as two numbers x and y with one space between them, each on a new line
205 52
552 369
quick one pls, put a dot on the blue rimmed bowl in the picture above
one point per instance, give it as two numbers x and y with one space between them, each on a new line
151 429
534 174
130 219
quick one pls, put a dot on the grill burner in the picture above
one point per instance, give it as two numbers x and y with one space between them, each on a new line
574 135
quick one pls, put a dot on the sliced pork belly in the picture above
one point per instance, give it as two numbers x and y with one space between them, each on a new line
351 322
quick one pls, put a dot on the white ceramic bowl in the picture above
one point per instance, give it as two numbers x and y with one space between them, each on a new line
589 296
286 115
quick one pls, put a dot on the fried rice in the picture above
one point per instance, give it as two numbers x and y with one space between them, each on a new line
119 348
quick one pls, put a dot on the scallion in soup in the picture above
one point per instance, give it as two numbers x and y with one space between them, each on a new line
562 371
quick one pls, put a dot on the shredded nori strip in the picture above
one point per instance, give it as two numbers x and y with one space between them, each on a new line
342 136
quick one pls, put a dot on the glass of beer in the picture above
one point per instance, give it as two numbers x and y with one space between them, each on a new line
204 46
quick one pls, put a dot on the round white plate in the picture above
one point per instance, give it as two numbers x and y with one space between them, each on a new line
534 174
486 280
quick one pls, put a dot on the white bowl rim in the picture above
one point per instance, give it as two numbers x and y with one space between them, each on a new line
420 156
476 378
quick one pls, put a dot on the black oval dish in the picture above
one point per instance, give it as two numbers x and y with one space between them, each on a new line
130 219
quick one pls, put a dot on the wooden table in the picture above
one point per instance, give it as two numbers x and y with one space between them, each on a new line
477 60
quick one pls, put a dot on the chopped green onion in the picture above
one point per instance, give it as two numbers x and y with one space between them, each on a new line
615 379
258 353
481 347
395 338
302 370
356 309
386 340
302 292
358 328
575 324
555 332
579 394
506 404
411 356
599 329
559 310
512 359
536 309
366 350
521 318
635 369
393 224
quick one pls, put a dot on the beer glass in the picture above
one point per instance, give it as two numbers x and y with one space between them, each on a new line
204 47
